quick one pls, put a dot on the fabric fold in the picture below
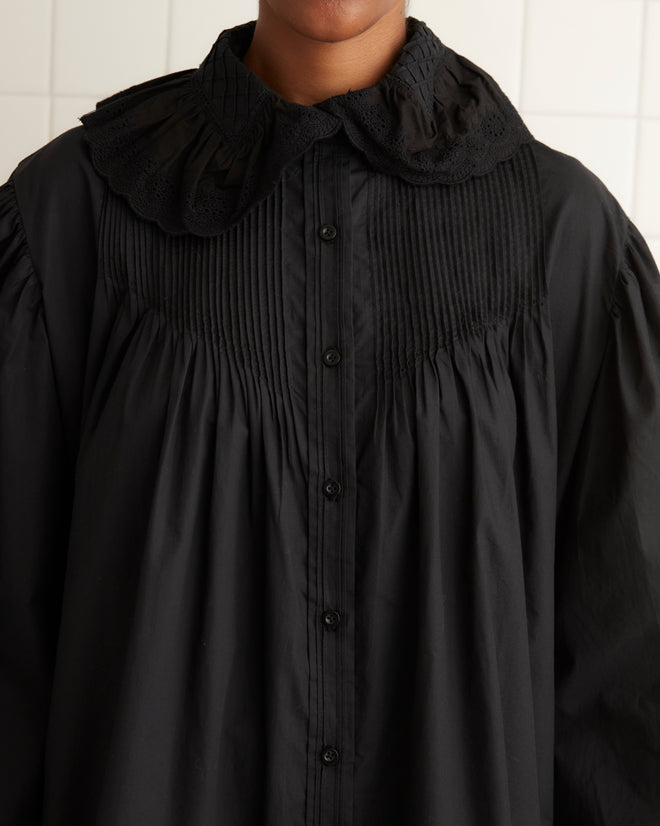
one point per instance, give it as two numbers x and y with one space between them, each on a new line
607 754
35 504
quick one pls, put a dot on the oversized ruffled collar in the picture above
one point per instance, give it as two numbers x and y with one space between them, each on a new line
194 150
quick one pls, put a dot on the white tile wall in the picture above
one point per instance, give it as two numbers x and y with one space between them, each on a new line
99 45
195 25
582 56
651 78
25 46
584 74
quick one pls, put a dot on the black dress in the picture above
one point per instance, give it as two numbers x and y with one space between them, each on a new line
330 464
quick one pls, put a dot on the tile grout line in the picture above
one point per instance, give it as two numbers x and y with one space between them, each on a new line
641 88
168 41
523 51
51 72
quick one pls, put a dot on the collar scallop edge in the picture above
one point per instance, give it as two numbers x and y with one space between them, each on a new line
194 150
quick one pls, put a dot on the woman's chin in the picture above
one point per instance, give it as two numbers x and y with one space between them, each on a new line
330 21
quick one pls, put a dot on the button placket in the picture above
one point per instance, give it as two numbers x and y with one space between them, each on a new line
331 357
330 364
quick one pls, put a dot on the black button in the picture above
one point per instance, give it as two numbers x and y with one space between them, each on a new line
331 488
328 232
331 619
331 356
329 755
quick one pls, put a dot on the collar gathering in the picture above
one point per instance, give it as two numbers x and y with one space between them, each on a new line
194 150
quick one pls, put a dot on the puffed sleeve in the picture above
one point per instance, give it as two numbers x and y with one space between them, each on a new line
35 490
607 574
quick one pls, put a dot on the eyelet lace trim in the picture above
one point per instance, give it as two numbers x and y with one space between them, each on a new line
195 149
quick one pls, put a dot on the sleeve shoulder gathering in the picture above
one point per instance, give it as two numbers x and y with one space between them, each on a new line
35 492
607 573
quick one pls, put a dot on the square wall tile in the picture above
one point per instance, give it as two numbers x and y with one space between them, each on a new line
23 129
25 46
489 34
605 145
196 25
105 47
651 79
67 110
582 56
648 178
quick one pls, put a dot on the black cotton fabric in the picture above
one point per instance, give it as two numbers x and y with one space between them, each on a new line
329 464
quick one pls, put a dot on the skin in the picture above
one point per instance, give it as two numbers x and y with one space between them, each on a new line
310 50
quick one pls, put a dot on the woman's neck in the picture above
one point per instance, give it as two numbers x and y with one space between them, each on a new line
305 69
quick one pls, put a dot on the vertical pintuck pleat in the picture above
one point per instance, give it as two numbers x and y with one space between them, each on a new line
225 289
450 260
